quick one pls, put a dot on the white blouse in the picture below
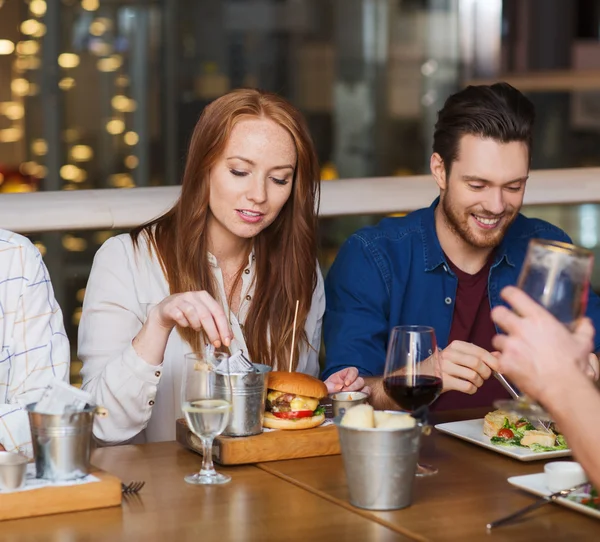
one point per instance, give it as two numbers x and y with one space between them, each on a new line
143 400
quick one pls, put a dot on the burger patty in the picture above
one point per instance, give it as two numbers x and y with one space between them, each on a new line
281 404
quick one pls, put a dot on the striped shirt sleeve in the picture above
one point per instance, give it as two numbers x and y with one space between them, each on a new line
35 348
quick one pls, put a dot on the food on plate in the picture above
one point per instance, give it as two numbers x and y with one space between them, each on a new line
588 496
542 438
365 417
508 429
293 401
494 421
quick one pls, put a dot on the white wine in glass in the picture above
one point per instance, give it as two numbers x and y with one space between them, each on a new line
206 405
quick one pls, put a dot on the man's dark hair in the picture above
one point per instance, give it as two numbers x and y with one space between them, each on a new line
499 112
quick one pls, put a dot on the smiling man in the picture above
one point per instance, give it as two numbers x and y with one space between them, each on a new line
444 266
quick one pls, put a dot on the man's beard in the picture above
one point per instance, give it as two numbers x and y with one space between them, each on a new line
458 222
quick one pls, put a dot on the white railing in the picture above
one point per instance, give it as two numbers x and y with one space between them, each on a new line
125 208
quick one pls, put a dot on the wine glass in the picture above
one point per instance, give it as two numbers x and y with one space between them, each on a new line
206 404
413 373
557 276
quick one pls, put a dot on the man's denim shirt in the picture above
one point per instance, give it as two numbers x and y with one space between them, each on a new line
395 273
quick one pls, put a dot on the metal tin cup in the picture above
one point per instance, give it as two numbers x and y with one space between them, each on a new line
343 400
380 465
248 396
61 443
13 470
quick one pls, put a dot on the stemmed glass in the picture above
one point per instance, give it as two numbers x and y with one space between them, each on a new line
556 275
206 404
413 373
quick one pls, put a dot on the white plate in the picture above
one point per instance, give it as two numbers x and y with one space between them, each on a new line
472 431
536 484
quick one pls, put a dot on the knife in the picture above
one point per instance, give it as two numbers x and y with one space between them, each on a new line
540 502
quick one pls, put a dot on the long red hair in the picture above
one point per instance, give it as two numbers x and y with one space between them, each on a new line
285 252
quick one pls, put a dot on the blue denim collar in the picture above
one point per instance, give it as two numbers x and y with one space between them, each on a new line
433 255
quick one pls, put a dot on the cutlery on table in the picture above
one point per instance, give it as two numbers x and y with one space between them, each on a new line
132 487
537 504
538 424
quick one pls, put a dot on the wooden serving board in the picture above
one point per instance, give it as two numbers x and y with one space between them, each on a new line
269 446
59 499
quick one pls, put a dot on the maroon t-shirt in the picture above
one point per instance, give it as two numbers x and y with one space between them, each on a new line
472 322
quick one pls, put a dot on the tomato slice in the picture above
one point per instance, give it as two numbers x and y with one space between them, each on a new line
505 433
293 414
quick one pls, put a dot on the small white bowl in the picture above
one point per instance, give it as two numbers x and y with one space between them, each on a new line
561 475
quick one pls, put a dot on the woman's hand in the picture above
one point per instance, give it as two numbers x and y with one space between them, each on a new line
347 379
197 310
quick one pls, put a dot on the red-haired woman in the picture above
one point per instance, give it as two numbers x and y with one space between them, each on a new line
225 265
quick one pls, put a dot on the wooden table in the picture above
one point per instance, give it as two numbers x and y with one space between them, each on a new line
470 490
307 500
254 506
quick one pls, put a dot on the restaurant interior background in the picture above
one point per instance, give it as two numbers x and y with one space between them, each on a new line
105 93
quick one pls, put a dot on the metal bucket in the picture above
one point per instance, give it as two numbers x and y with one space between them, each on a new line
248 396
61 443
343 400
380 465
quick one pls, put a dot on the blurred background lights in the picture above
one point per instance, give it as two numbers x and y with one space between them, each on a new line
110 64
131 161
115 126
121 180
69 172
11 135
131 138
90 5
66 83
39 147
123 104
20 86
14 111
6 47
37 8
82 153
40 31
122 81
28 47
30 27
68 60
71 135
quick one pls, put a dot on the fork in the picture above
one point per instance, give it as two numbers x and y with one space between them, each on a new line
132 487
537 504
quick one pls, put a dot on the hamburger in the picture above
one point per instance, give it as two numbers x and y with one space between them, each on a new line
293 401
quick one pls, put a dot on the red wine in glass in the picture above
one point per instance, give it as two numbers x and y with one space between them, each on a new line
413 374
413 393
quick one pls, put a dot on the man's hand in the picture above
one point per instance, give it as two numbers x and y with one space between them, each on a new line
465 366
347 379
2 448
